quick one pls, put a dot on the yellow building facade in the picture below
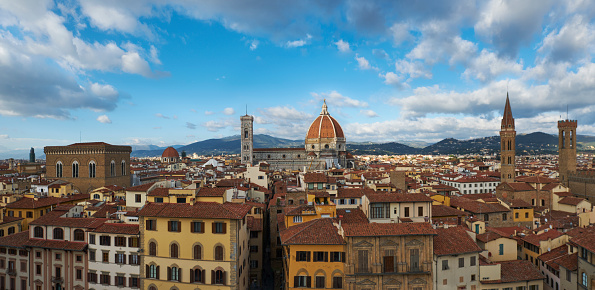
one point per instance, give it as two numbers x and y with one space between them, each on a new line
202 245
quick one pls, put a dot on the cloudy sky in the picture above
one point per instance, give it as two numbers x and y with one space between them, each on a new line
175 72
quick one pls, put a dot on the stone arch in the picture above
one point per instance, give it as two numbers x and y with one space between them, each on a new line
302 272
336 273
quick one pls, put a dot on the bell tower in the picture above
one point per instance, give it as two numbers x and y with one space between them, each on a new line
566 149
507 145
247 139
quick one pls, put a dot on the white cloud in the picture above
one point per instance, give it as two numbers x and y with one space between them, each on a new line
335 99
208 113
391 78
104 119
400 33
363 63
298 43
254 44
343 46
369 113
573 41
215 126
159 115
229 111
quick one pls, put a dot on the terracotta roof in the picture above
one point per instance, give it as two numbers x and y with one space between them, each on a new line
520 186
535 239
354 192
445 211
570 200
550 186
476 207
142 187
56 244
454 241
254 224
212 191
568 261
325 126
17 240
315 232
555 253
488 237
170 152
353 215
519 203
159 191
44 202
536 179
516 271
230 182
211 210
315 177
399 197
118 228
586 240
389 229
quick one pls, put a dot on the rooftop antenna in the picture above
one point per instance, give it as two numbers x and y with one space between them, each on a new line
246 109
566 111
80 136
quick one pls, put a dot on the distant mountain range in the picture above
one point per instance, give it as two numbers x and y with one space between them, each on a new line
533 143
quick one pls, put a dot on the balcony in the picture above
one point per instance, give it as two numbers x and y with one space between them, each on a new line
56 279
11 272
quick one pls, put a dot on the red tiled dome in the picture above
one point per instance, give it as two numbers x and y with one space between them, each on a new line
325 126
170 152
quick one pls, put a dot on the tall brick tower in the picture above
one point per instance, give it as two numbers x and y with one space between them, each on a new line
566 149
247 139
507 144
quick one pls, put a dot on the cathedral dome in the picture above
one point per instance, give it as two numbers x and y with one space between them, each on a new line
325 126
170 152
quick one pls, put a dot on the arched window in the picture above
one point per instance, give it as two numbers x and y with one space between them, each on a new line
173 250
123 167
11 230
112 168
92 169
58 234
38 232
59 169
219 253
197 276
75 169
174 273
326 146
152 288
152 272
152 249
197 252
79 235
97 196
219 277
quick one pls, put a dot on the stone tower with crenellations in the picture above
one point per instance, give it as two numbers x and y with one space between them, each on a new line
566 149
247 139
507 145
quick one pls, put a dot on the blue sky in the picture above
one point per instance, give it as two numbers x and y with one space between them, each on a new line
175 72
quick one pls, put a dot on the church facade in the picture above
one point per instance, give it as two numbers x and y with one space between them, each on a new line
324 147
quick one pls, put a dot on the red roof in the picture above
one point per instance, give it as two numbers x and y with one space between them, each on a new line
315 232
170 152
399 197
454 241
31 203
516 271
142 187
211 210
315 177
325 126
389 229
570 200
118 228
446 211
354 192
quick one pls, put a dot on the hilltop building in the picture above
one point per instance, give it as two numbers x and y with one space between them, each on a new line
325 147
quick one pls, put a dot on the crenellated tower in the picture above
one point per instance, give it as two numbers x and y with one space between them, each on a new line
507 145
566 149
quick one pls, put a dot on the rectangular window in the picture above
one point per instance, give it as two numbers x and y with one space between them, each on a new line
461 262
120 258
105 258
320 282
253 264
445 265
362 261
352 201
133 260
337 256
133 242
568 275
254 235
91 255
420 211
134 282
338 282
174 226
254 249
501 249
38 269
219 228
105 240
29 214
198 227
151 225
302 256
320 256
472 261
79 274
92 239
406 211
120 281
137 198
297 219
181 200
105 279
120 242
302 281
23 266
93 277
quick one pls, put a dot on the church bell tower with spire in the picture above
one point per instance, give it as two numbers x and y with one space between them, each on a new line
507 145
